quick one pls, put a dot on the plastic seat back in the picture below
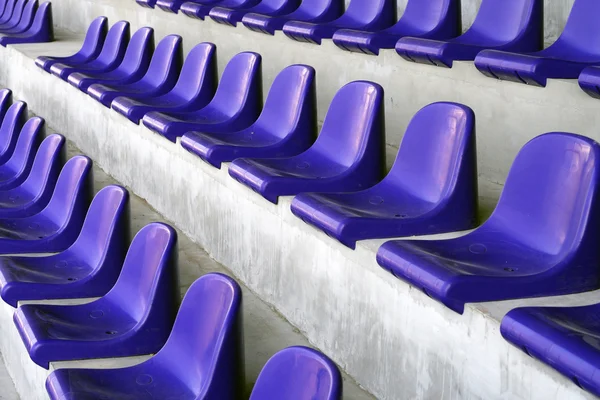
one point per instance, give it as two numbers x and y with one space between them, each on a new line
11 125
429 161
106 223
505 21
582 32
46 167
550 200
298 373
289 101
149 272
206 341
115 43
16 14
8 12
139 51
354 117
3 4
198 79
73 188
26 17
328 9
94 38
235 84
367 11
28 141
427 15
5 102
166 62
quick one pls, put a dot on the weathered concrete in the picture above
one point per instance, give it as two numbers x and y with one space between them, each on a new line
265 331
393 339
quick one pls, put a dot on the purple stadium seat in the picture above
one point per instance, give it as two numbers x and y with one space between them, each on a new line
286 127
12 123
575 49
566 338
25 20
16 169
146 3
133 318
541 240
133 67
5 102
4 5
231 16
313 11
430 19
92 45
589 81
194 89
422 194
171 5
200 8
40 31
362 15
111 55
298 373
510 25
15 16
159 79
347 156
56 227
236 105
34 193
202 359
8 12
81 271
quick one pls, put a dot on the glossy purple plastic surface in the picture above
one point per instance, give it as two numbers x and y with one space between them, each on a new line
170 5
89 268
199 9
286 127
15 17
5 102
111 55
202 359
24 21
313 11
430 19
12 123
133 67
8 11
424 193
541 240
509 25
159 79
236 105
230 16
298 373
56 227
194 89
575 49
566 338
90 49
146 3
134 318
16 169
589 81
346 157
41 30
34 193
362 15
